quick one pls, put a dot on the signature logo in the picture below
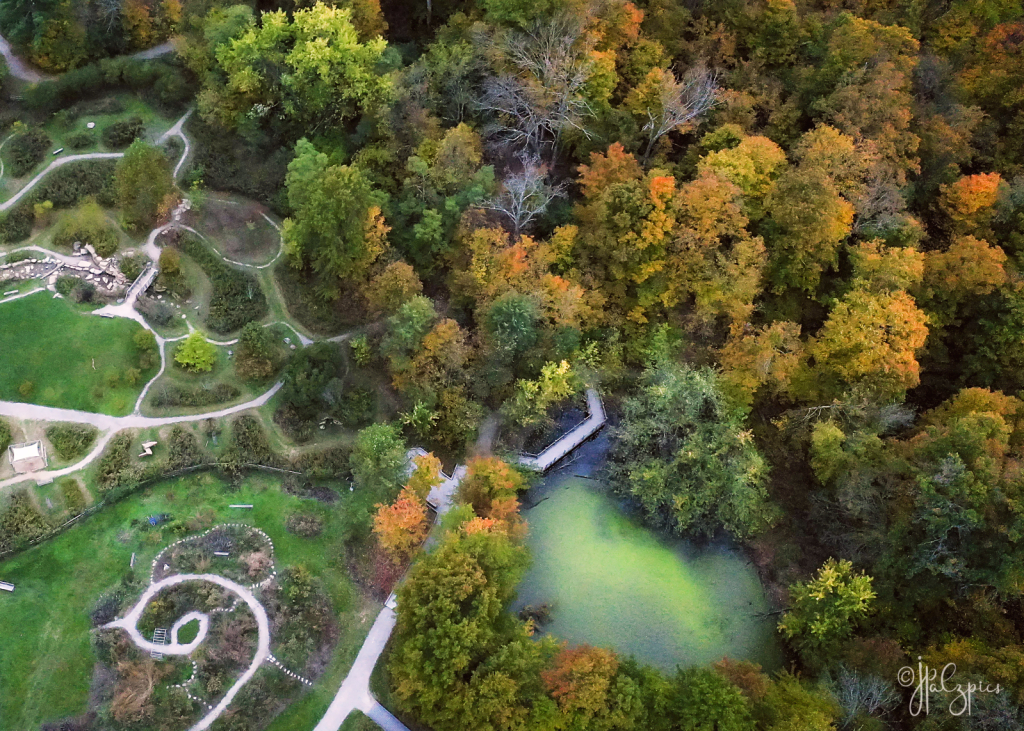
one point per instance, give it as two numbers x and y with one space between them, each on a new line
926 680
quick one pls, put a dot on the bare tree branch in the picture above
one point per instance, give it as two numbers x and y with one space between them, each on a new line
681 101
541 97
526 194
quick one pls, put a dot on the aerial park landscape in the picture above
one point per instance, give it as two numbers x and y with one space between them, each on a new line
511 365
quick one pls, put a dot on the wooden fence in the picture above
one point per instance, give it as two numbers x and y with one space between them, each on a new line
145 483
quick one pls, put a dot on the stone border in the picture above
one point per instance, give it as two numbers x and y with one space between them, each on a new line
187 539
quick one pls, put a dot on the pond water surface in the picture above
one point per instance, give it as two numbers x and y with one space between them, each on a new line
612 582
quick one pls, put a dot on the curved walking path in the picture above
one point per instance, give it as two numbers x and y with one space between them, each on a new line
109 424
174 131
20 69
130 621
60 161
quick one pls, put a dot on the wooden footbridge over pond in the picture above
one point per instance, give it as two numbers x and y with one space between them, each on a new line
562 446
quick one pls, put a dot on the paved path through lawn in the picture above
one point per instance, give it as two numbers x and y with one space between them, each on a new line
355 690
109 424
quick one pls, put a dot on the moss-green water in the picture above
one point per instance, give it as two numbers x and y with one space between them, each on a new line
613 583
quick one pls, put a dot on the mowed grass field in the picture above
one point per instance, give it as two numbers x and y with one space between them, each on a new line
46 342
47 661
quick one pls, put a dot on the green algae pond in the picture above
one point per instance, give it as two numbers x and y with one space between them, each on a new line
609 581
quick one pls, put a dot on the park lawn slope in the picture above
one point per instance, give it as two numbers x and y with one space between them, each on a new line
47 662
45 342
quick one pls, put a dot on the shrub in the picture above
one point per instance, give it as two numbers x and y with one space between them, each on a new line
89 225
26 150
64 285
295 425
81 140
237 298
69 184
83 292
20 521
121 134
170 262
115 468
131 267
17 224
249 444
358 407
157 312
175 395
5 435
71 493
17 256
65 118
325 464
306 525
71 440
183 450
362 353
255 358
160 80
196 353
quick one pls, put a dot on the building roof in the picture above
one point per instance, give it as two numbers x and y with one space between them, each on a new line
26 451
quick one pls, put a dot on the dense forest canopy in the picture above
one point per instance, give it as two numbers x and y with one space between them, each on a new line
789 234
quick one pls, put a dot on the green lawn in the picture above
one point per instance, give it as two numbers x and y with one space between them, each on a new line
46 663
67 356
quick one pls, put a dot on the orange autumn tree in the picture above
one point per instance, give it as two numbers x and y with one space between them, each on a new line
582 682
968 269
753 357
970 201
491 486
402 526
869 345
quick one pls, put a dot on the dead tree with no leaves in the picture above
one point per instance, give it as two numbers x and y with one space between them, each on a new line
541 96
526 194
681 101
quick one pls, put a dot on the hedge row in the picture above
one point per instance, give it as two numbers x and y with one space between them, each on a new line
175 395
161 81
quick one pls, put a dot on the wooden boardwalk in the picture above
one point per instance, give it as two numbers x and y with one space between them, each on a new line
566 443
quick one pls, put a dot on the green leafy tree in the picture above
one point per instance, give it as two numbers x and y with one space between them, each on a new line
443 178
701 700
529 406
792 705
511 322
460 663
406 331
379 461
336 229
307 375
682 453
142 181
308 66
825 610
196 353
